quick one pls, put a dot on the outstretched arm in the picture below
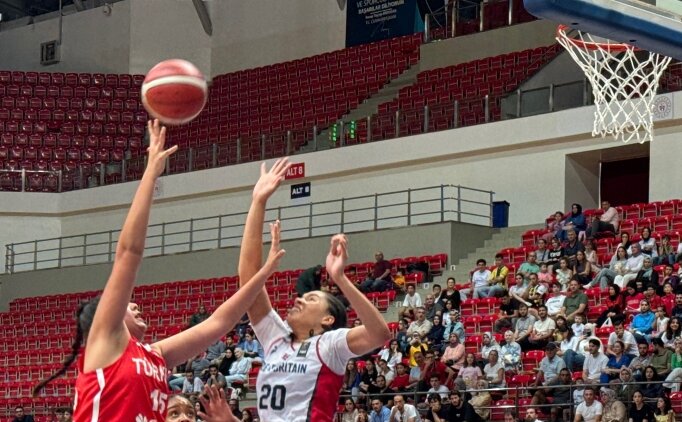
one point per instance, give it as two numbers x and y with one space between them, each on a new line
374 332
250 254
108 335
180 347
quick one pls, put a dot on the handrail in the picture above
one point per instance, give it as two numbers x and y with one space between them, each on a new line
397 208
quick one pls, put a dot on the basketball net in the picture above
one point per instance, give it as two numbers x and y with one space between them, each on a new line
624 83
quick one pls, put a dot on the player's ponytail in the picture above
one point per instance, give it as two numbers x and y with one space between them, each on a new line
84 316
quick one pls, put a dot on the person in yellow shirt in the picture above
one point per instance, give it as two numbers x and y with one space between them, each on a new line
498 277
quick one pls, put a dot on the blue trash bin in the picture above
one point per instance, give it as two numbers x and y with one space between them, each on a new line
500 214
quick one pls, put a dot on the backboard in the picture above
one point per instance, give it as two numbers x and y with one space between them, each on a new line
654 25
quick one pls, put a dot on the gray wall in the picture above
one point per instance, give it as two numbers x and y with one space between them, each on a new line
456 239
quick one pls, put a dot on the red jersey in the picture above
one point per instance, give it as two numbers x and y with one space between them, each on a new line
132 389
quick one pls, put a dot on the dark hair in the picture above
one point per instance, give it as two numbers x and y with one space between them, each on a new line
434 397
655 377
455 393
656 341
434 285
481 261
616 288
84 317
338 310
589 387
668 406
580 209
213 365
543 307
669 334
499 255
595 342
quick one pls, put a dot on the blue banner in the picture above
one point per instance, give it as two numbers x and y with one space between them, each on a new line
374 20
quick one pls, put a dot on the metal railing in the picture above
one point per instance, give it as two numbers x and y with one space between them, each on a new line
361 213
546 99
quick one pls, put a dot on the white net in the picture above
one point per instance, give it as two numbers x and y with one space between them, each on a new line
624 83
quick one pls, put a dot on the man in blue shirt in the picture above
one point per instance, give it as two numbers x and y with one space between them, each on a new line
642 323
380 413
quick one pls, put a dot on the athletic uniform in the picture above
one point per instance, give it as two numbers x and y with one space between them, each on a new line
132 389
299 381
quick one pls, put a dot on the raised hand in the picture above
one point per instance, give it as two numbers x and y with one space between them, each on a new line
276 252
337 257
156 161
215 405
270 180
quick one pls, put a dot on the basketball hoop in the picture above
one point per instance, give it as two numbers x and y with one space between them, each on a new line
624 82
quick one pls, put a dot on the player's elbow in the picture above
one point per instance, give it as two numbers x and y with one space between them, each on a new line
384 334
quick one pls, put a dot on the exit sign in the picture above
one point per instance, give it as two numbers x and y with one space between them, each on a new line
296 171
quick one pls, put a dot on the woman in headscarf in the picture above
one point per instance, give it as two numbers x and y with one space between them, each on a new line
624 386
613 409
435 335
574 221
510 353
489 343
481 400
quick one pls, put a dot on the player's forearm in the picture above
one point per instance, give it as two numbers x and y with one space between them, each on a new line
134 231
368 314
251 251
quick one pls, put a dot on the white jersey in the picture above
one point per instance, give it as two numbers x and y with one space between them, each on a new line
299 381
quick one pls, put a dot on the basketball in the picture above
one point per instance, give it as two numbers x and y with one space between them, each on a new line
174 91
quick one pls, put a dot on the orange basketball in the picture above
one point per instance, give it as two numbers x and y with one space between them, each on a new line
174 91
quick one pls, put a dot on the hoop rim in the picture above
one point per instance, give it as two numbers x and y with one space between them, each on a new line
610 47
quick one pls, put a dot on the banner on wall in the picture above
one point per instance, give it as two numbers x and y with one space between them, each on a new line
374 20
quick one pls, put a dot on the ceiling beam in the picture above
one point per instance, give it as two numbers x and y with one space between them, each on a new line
204 17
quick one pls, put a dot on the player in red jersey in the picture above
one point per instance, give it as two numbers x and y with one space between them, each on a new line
305 357
121 379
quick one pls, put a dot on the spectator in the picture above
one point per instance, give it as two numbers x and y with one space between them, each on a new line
380 279
649 277
349 411
524 324
595 362
672 332
65 414
669 277
368 377
239 371
564 274
460 410
191 384
627 339
215 377
518 291
351 379
381 390
215 350
197 366
391 354
535 294
607 222
200 316
661 358
436 411
469 374
380 413
676 311
575 302
510 353
21 416
578 326
632 299
530 266
575 358
624 386
454 353
498 277
647 243
544 276
481 400
607 275
434 338
542 253
572 246
531 415
437 388
549 369
561 394
643 323
247 416
455 326
632 267
639 411
225 362
431 307
652 387
574 221
251 347
417 347
508 312
309 280
556 252
582 269
421 325
672 381
433 366
638 363
402 378
591 255
665 252
402 337
613 409
541 333
510 416
479 282
590 410
562 329
555 301
403 412
615 362
494 370
664 411
451 294
614 306
233 404
336 292
411 302
437 292
489 344
384 370
555 226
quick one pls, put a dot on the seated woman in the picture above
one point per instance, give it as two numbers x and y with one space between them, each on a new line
434 338
639 411
616 362
652 389
574 221
494 370
614 305
664 410
469 374
582 269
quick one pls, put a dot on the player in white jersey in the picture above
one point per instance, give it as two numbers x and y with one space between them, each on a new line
305 356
